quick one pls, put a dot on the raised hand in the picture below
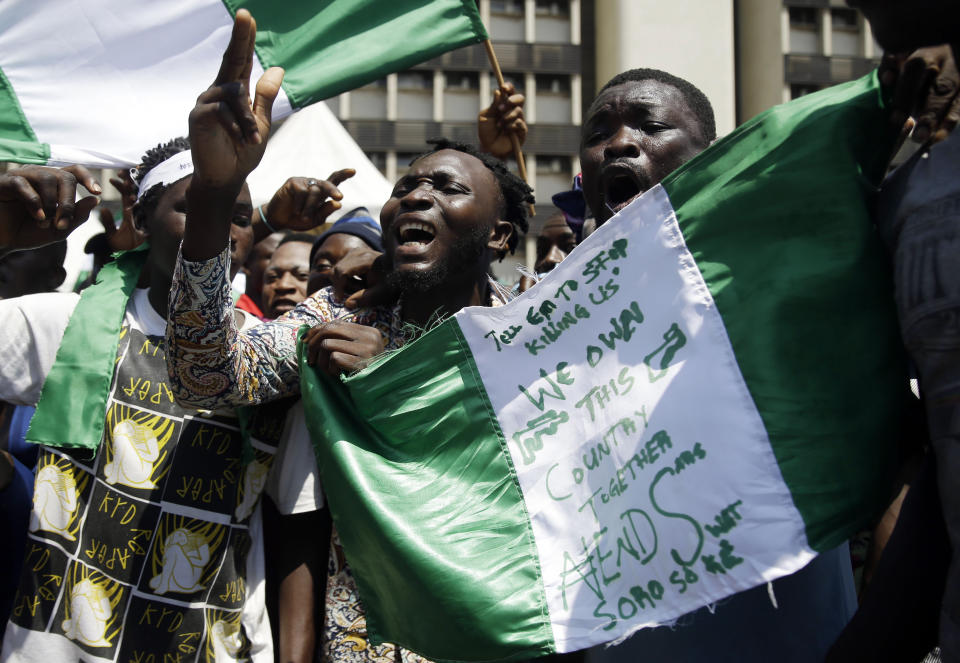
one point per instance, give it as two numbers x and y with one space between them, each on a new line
925 86
38 204
501 120
227 134
367 269
303 203
342 347
126 236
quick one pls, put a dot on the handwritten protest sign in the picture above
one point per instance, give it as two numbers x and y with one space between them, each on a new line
701 397
648 505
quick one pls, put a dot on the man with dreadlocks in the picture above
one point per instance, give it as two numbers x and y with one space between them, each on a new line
447 218
144 536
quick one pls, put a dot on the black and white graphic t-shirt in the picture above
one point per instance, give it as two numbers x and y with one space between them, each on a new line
151 550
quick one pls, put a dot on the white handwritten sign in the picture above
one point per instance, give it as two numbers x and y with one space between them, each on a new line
644 464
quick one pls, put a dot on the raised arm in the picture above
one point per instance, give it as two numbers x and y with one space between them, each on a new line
211 363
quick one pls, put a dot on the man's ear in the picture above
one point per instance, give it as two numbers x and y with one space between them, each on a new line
500 236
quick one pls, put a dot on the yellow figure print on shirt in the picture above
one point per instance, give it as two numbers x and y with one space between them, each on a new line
136 446
56 497
254 480
225 641
181 558
90 608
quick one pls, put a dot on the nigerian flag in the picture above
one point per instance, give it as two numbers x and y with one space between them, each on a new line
701 397
97 82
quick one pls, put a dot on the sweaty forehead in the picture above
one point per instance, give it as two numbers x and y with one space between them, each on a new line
295 252
453 164
646 94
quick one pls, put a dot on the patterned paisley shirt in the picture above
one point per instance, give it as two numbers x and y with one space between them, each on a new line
212 365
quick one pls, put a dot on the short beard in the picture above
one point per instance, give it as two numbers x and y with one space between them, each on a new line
448 271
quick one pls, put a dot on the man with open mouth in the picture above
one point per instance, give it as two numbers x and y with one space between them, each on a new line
643 125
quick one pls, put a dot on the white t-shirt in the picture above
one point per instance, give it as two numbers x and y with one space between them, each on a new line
152 549
294 483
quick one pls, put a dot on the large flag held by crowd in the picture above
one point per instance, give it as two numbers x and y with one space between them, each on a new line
97 82
698 400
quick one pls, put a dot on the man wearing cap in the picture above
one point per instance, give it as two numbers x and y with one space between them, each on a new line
354 231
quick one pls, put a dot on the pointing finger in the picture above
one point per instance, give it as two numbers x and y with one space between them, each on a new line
85 178
340 176
237 54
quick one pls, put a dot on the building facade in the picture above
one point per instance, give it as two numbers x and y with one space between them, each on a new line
791 48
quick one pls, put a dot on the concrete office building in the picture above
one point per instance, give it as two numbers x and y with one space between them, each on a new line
791 48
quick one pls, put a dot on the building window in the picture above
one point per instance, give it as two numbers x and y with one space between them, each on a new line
552 21
516 79
553 175
547 84
554 8
462 80
506 7
415 95
844 18
803 17
506 20
379 159
415 80
798 90
548 165
845 33
804 30
369 102
461 98
553 99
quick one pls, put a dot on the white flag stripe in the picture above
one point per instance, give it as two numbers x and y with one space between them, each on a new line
631 472
129 72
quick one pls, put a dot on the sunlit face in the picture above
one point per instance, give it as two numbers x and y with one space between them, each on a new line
634 135
328 254
285 279
441 220
165 226
555 243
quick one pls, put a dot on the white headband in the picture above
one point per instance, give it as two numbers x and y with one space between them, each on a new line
167 172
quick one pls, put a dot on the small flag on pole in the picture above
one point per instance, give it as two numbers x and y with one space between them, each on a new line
699 399
98 82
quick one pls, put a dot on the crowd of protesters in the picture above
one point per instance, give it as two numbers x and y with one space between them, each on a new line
197 470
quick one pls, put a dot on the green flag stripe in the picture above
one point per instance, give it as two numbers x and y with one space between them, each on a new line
18 142
71 409
412 447
776 217
331 47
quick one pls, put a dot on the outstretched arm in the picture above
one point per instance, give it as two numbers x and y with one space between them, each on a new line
211 363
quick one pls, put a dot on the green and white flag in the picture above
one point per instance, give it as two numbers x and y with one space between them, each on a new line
701 397
97 82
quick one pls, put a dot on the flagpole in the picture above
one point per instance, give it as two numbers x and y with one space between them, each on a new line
517 151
